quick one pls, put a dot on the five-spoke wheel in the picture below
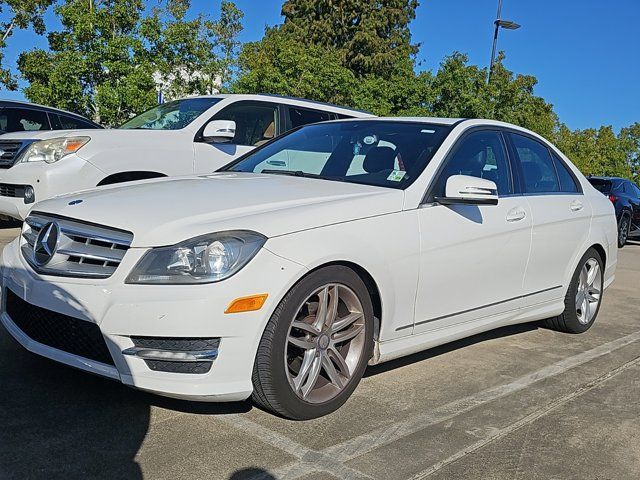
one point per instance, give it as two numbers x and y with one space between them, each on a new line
316 345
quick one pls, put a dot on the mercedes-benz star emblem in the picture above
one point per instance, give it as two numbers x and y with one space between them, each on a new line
46 244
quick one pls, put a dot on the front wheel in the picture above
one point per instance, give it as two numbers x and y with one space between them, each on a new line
316 345
584 296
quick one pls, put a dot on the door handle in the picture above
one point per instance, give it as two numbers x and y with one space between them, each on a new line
277 163
516 214
576 206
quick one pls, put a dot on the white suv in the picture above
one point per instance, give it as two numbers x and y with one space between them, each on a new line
192 135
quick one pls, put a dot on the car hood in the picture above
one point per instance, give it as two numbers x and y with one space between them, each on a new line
108 137
167 211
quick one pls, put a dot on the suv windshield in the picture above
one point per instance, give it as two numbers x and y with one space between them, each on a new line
171 115
371 152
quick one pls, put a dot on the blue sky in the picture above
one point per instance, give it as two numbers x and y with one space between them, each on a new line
585 53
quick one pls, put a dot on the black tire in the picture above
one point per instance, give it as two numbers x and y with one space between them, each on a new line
271 388
567 321
624 226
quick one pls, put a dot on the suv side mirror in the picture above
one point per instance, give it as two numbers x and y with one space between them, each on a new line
219 131
466 190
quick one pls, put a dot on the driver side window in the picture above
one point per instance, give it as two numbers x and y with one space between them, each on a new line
479 154
255 122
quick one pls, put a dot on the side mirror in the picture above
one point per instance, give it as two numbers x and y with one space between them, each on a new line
466 190
219 131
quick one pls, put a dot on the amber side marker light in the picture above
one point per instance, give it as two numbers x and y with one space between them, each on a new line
246 304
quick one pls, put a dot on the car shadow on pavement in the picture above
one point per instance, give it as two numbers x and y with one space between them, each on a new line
449 347
58 422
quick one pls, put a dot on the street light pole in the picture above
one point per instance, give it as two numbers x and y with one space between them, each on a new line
509 25
495 40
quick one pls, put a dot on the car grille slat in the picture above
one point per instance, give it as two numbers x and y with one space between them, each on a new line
59 331
10 151
84 250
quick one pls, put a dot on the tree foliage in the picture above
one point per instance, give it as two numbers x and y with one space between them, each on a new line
110 56
18 14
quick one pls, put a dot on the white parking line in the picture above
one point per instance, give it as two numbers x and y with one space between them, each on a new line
502 432
385 435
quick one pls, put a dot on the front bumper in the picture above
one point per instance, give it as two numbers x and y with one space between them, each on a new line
123 311
70 174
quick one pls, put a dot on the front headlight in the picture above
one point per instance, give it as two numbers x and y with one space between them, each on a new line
52 150
206 259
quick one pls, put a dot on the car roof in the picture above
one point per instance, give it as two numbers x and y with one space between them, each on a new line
36 106
593 177
286 99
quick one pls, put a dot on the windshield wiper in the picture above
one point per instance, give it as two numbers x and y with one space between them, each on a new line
293 173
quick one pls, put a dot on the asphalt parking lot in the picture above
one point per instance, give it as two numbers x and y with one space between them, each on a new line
519 402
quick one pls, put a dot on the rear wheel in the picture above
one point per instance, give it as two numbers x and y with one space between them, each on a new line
316 345
584 296
623 229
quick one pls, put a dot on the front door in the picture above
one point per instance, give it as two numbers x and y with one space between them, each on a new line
473 258
256 123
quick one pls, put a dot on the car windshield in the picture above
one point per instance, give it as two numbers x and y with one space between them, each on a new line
171 115
371 152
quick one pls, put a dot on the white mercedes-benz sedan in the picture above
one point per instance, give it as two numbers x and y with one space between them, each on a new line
338 245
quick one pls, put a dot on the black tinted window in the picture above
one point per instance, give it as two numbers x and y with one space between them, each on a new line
255 123
22 119
537 165
302 116
482 155
70 123
567 182
601 185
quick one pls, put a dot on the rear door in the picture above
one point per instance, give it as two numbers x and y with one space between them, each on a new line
561 217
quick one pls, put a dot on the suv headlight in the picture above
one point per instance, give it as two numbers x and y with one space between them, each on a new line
206 259
52 150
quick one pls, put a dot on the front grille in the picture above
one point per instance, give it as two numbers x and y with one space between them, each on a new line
10 151
58 331
194 368
9 190
83 249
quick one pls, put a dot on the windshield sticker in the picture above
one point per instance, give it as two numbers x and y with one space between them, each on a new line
369 140
396 175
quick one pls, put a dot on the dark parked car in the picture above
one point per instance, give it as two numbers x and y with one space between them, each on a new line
22 116
625 196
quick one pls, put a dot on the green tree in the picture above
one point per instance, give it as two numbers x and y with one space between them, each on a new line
18 14
110 56
353 52
371 36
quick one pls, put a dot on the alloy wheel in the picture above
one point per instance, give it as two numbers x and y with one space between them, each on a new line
325 343
589 291
623 232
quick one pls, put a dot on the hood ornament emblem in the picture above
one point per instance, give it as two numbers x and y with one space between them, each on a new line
46 244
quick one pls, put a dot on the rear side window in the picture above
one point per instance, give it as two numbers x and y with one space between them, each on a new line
302 116
70 123
567 181
538 170
23 120
479 154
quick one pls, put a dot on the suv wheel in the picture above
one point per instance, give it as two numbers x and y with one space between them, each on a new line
316 345
623 229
